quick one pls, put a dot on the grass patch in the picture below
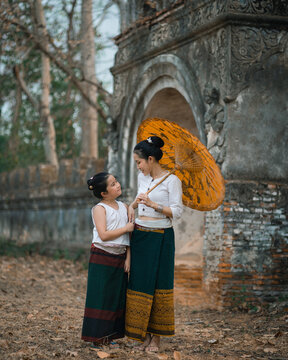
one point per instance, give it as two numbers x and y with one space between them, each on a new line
12 249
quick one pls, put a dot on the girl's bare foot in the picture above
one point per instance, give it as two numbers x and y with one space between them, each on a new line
154 344
145 343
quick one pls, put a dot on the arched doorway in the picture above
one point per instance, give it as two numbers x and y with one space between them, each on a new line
164 87
168 103
171 105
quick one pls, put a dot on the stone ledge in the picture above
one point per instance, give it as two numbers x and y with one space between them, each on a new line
45 180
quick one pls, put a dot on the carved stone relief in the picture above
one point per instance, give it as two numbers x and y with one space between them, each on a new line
260 7
120 82
250 49
214 123
186 21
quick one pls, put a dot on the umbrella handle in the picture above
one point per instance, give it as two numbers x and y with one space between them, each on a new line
165 177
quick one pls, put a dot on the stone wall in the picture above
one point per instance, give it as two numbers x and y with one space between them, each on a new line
49 207
246 245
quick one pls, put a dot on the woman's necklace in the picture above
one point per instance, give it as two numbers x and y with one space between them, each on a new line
162 173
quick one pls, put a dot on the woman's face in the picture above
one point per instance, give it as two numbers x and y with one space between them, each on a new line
142 164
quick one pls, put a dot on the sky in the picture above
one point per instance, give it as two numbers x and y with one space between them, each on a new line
108 29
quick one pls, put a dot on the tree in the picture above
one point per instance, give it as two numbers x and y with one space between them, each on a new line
48 124
71 75
89 115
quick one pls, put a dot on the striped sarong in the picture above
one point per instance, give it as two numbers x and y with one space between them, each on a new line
150 301
104 317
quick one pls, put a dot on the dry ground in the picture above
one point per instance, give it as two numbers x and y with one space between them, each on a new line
41 308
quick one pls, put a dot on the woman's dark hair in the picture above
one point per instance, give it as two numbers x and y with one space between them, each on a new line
98 184
150 147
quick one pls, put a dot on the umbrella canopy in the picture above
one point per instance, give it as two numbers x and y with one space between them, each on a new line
186 157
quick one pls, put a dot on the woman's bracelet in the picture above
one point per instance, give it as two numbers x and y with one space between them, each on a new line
159 208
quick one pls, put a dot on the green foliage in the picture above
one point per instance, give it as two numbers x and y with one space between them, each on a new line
22 141
6 161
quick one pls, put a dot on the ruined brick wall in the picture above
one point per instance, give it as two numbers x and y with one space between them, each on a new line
246 252
228 60
40 204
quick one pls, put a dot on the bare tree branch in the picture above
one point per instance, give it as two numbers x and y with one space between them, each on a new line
24 87
106 7
9 18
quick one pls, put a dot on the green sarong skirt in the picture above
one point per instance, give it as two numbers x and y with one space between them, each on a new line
104 317
150 301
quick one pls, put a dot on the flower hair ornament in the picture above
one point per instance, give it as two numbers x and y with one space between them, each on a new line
149 140
91 186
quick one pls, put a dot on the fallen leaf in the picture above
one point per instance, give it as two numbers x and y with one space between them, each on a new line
177 355
162 356
103 354
278 334
213 341
71 353
270 350
4 344
30 317
58 339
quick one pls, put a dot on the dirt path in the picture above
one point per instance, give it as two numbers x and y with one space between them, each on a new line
41 308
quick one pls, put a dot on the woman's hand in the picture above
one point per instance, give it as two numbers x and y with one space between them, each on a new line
145 200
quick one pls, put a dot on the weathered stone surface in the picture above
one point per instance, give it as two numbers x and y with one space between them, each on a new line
249 251
228 61
40 205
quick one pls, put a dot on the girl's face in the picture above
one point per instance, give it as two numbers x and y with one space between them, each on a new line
113 189
142 164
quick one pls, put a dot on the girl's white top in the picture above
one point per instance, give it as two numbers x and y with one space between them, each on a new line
115 219
168 193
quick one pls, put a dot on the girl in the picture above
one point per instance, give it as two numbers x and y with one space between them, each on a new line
150 303
108 265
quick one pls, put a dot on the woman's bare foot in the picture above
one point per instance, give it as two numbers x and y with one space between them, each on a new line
154 344
146 342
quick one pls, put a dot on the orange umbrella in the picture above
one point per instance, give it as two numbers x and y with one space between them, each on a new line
183 154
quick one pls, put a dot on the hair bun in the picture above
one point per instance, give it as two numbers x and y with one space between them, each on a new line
157 141
90 184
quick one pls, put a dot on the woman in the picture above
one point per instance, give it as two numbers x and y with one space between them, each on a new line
150 303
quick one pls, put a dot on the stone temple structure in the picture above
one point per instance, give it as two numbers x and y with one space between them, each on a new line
220 69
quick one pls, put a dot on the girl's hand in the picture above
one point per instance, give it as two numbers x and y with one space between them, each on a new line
145 200
127 261
127 265
130 227
131 214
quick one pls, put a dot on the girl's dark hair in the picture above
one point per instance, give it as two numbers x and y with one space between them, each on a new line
150 147
98 184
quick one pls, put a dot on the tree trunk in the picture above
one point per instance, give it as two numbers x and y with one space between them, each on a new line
13 142
89 115
48 123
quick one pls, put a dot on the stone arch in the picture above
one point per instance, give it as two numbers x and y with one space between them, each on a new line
162 72
165 84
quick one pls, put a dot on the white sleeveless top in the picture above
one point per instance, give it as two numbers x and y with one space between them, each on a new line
115 219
